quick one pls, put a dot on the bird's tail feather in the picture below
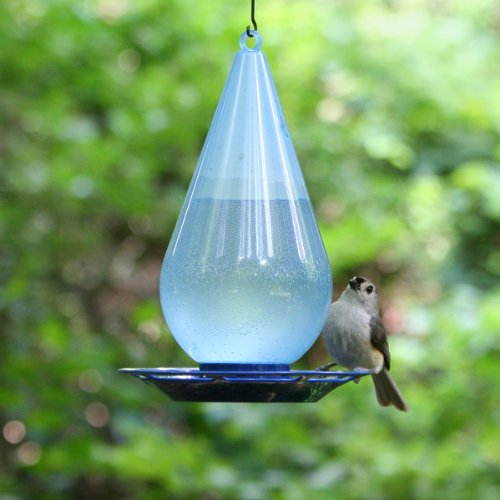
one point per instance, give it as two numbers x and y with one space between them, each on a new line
387 391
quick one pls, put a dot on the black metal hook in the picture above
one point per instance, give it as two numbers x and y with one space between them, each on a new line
252 17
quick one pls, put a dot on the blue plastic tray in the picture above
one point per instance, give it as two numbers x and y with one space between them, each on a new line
256 386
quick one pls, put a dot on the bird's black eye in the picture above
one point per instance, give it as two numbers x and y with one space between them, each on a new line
369 289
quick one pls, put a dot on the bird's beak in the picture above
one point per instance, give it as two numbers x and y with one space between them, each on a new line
354 284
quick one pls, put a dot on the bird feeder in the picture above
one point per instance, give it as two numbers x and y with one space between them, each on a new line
245 285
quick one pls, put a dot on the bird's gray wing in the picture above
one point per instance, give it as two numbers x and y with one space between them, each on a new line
378 339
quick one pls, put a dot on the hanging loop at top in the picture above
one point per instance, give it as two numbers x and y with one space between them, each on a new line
252 17
253 34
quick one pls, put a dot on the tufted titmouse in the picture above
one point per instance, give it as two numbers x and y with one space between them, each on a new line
355 338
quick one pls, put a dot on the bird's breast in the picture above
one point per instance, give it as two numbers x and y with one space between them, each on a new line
347 337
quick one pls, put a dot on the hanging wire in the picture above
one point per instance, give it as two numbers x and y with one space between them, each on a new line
252 17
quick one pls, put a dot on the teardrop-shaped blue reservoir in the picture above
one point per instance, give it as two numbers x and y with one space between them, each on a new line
246 278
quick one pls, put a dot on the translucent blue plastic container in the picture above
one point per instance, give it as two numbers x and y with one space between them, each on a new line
245 278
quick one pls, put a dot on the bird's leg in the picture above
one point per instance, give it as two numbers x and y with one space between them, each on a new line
358 369
326 367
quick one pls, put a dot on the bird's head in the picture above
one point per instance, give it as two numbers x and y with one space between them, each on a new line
362 290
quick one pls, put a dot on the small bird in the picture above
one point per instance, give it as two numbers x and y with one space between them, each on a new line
355 338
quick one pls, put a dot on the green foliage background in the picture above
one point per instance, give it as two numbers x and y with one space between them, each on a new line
394 108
